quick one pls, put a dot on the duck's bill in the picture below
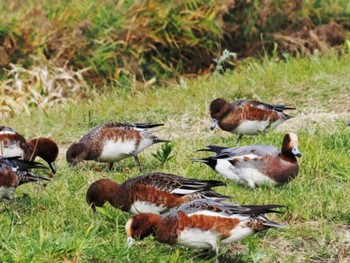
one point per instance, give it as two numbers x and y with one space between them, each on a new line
296 152
53 167
213 124
129 242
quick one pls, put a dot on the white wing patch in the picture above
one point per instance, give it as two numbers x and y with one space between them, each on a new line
218 214
7 132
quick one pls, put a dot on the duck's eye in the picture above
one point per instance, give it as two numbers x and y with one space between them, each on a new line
135 226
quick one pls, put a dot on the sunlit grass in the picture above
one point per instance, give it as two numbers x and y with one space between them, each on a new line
54 223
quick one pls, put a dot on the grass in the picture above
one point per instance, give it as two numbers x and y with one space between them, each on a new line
54 223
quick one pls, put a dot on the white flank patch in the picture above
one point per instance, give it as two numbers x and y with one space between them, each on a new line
10 150
253 177
117 150
252 127
276 123
247 176
144 143
6 192
198 238
238 233
224 167
146 207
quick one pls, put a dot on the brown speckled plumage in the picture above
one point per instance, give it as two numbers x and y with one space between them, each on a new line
214 217
14 172
92 145
42 147
230 116
158 189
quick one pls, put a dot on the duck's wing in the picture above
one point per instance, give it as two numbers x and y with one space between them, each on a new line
174 184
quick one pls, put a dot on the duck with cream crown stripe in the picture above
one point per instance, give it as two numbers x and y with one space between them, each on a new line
247 117
14 172
112 142
202 224
256 164
151 193
13 144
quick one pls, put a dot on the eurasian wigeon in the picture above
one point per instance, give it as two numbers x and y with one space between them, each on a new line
14 172
152 193
113 142
202 224
44 148
246 116
257 164
14 144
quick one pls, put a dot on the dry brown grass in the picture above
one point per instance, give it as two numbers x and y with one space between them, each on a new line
40 86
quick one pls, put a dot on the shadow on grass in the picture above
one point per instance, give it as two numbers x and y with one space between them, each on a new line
224 256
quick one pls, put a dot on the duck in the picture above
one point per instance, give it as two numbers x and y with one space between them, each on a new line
44 148
13 144
247 117
255 165
156 192
15 172
202 223
112 142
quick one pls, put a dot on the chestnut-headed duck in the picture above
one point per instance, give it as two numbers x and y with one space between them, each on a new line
112 142
244 117
154 193
14 144
202 224
256 164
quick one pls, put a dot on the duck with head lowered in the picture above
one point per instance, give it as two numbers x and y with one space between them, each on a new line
13 144
112 142
151 193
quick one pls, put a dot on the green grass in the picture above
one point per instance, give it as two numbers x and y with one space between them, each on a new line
54 223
